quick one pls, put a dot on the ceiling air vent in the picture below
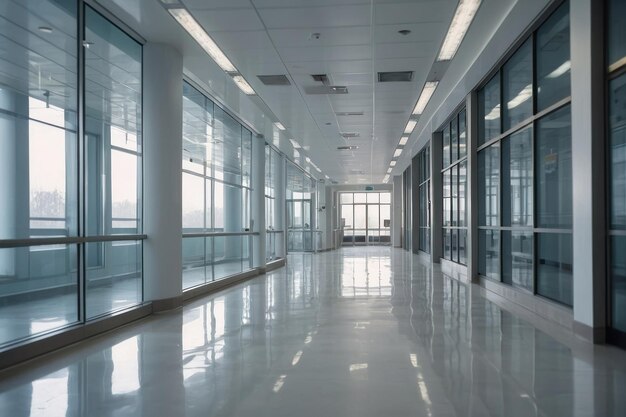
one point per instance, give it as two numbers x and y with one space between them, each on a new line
322 78
326 87
349 113
347 148
274 79
348 135
386 77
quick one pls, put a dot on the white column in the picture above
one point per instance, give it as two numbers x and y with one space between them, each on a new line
258 201
162 110
471 196
588 158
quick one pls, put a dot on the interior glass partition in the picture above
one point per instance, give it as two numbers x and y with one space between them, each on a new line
617 171
424 199
216 191
365 218
70 200
407 209
301 230
455 188
275 235
525 166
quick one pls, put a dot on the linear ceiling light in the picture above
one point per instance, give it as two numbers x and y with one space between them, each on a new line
243 85
392 163
295 144
389 171
204 40
409 127
386 178
403 140
397 153
427 93
279 125
463 16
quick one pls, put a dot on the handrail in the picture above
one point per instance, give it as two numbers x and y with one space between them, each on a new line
41 241
218 234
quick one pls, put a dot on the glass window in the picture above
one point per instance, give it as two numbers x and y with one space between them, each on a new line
454 140
462 192
553 58
373 198
489 185
517 82
360 197
554 170
618 283
447 198
489 253
517 179
489 110
113 119
517 259
617 31
193 202
554 267
446 147
462 134
617 144
346 198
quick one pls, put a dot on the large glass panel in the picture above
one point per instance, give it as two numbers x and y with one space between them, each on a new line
554 266
447 198
553 58
346 198
373 198
454 186
385 197
617 31
373 216
618 283
489 185
517 258
617 143
359 216
462 246
517 86
454 140
39 289
194 262
462 134
462 193
554 170
489 253
227 152
113 148
489 110
117 284
517 179
229 253
446 147
38 83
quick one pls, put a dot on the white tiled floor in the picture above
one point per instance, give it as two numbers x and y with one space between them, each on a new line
366 331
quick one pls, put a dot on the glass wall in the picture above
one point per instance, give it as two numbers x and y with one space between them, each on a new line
46 220
365 218
216 191
407 209
454 175
617 169
423 190
302 234
275 235
525 166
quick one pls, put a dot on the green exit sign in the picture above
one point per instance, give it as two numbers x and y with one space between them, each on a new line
369 188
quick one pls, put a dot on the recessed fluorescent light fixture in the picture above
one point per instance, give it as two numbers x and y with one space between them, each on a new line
307 159
397 153
463 16
327 177
389 171
403 140
392 163
243 85
186 20
295 144
386 178
409 127
427 93
279 125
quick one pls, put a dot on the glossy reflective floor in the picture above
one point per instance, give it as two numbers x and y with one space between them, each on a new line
367 331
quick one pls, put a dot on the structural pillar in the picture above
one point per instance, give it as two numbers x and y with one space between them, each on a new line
396 218
162 110
436 198
471 203
588 160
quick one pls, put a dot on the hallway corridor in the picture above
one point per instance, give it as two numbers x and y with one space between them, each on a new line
364 331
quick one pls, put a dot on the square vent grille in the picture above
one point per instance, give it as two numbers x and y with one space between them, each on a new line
274 79
394 76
